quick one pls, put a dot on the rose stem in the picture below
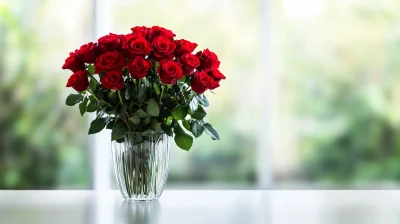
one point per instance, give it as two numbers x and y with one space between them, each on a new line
91 76
93 95
120 98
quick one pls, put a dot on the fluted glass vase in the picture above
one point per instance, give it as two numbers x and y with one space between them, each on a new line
141 164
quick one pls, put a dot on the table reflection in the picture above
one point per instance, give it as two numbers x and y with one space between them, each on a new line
233 207
138 212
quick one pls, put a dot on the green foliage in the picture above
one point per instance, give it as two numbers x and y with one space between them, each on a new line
97 125
182 140
202 99
144 105
196 128
348 99
199 114
73 99
179 112
141 114
91 69
152 108
41 146
210 130
119 130
82 106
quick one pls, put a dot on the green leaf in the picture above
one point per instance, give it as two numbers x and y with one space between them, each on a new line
202 99
93 85
102 103
156 89
110 124
155 66
97 125
186 124
183 140
147 120
147 132
110 110
135 119
142 93
199 114
130 91
91 107
73 99
122 110
113 96
197 129
141 114
211 131
119 130
91 69
193 105
169 120
152 108
83 105
156 127
179 112
183 79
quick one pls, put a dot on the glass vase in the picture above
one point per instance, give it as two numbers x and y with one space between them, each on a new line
141 164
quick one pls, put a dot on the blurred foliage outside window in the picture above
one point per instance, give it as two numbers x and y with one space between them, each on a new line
42 143
340 75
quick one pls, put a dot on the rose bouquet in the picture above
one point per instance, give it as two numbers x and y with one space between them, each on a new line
144 81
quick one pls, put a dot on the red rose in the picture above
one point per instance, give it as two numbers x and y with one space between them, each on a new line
142 30
113 80
135 44
189 62
208 60
73 63
184 47
216 74
79 80
201 82
110 42
138 67
157 31
170 71
111 60
163 48
88 52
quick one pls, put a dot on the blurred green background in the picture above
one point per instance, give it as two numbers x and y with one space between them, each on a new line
336 65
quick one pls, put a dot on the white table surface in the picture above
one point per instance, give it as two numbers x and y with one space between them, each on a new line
192 207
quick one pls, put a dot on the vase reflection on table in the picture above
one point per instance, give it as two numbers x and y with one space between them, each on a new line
141 212
141 165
